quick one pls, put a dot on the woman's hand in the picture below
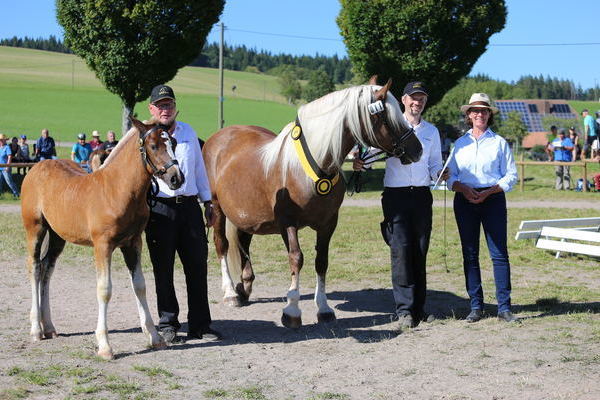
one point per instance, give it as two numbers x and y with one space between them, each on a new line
470 194
484 195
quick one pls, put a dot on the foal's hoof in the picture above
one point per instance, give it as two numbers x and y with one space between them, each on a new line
324 318
36 337
106 354
233 301
291 322
50 335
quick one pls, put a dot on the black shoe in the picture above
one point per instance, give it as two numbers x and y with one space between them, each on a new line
405 321
208 334
507 316
169 335
474 316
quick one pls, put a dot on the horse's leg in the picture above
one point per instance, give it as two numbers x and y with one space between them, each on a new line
244 289
292 316
55 246
35 233
133 260
103 254
324 313
230 297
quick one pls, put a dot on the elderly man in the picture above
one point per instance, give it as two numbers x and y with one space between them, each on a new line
45 148
562 147
110 142
5 174
176 225
407 212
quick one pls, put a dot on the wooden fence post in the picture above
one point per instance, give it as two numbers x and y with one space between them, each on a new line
585 183
522 183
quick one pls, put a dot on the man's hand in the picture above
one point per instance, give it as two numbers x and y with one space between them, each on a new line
358 164
444 175
209 213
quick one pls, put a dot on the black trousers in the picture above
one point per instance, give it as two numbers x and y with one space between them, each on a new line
407 230
179 227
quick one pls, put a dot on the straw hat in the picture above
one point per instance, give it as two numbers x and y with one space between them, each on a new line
2 136
479 100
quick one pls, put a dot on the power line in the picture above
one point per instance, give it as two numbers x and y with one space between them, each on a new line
340 40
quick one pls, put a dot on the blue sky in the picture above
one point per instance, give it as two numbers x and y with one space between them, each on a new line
309 27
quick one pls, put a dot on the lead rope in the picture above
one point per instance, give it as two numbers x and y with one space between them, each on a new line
445 241
354 182
152 192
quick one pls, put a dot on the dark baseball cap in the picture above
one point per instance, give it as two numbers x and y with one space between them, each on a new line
414 87
160 92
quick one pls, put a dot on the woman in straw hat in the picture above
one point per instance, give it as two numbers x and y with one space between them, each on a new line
482 169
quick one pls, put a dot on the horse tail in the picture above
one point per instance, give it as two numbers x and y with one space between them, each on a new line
234 259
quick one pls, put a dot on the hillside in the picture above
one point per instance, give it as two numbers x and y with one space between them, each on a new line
57 91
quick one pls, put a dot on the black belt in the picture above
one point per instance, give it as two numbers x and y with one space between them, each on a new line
176 199
405 188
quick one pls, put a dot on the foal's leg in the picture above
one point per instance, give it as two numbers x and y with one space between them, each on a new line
244 289
325 313
133 257
230 297
35 233
292 316
55 246
103 254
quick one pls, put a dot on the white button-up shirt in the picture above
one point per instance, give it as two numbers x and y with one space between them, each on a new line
191 164
422 172
482 162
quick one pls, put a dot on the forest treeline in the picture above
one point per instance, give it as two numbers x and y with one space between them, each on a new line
339 69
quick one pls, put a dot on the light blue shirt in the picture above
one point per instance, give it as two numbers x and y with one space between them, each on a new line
482 162
590 123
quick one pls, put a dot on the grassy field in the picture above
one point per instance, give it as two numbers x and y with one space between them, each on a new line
59 92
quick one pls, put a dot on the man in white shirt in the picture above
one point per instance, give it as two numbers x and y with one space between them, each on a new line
407 212
176 225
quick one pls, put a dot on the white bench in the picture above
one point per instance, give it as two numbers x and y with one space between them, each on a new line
562 239
533 230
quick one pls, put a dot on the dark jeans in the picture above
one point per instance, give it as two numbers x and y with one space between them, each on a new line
407 229
179 228
492 215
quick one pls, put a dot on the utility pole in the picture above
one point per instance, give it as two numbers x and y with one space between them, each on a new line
221 99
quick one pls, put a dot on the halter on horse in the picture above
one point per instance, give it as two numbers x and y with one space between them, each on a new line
106 209
268 184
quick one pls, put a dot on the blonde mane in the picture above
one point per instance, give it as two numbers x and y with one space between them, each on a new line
132 133
323 123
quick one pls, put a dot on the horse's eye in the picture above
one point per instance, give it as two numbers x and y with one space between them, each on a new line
153 147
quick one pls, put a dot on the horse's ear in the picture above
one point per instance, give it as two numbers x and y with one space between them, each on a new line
382 93
373 80
138 124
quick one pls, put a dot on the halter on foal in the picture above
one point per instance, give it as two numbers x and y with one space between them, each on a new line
267 184
106 209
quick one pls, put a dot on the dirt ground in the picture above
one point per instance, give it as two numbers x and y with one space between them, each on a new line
358 357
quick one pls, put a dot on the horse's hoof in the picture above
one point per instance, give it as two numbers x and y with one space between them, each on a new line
50 335
326 317
159 345
36 337
243 296
291 322
233 301
106 354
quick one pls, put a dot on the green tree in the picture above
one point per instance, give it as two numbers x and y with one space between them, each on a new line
434 41
512 128
290 87
319 84
133 45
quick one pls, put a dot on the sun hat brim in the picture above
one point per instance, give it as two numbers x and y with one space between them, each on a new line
466 108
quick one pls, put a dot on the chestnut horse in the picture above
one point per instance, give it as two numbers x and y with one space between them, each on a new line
106 209
267 184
